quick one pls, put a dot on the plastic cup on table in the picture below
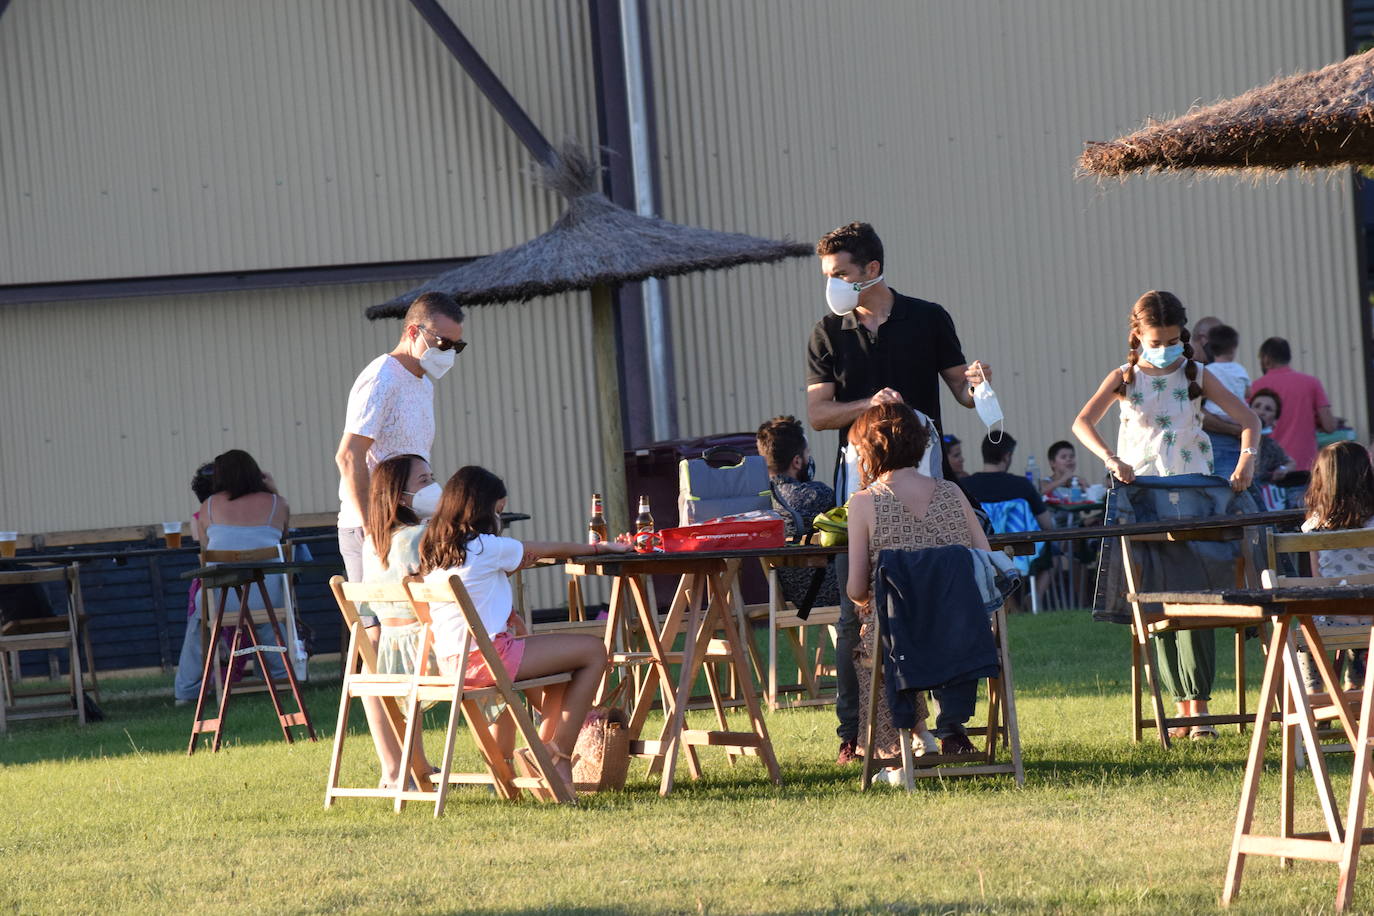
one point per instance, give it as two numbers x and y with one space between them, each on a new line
9 540
172 532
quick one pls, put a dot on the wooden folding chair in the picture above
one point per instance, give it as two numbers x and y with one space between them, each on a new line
362 679
783 620
45 633
1333 702
511 692
1145 625
1002 726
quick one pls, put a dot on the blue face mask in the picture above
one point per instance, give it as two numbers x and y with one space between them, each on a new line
1161 357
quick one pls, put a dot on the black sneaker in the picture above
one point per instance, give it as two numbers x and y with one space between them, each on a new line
849 753
957 743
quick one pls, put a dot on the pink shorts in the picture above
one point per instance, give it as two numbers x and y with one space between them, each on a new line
508 648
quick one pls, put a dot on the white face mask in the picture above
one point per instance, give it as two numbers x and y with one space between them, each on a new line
425 501
843 295
989 411
436 362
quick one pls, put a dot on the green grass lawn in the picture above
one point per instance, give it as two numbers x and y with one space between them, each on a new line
115 817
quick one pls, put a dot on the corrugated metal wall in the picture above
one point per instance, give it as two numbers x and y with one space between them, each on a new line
122 399
167 136
953 127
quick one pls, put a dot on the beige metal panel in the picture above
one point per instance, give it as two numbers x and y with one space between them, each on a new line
164 137
109 406
953 128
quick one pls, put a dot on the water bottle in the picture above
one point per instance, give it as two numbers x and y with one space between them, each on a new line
1075 491
1033 473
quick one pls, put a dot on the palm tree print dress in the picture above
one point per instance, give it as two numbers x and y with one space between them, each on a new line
1161 427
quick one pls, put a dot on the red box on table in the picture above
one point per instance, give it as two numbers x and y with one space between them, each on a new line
750 531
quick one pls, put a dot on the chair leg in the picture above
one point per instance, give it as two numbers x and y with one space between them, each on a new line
1136 727
78 685
6 693
1240 677
1007 688
908 760
874 687
341 727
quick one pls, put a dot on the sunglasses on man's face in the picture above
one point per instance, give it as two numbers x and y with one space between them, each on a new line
457 346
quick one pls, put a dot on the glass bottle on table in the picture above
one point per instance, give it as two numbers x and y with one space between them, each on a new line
596 527
644 521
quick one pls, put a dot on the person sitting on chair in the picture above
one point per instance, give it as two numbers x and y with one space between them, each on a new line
799 497
994 484
902 509
245 512
464 539
402 495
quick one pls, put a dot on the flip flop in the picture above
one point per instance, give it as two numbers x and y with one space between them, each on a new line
528 766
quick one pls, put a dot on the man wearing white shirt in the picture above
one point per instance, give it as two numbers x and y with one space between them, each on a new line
391 410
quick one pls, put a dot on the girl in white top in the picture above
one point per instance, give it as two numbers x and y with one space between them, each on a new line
1341 496
464 539
1159 392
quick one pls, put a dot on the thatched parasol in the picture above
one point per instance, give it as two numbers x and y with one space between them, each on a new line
1317 120
595 245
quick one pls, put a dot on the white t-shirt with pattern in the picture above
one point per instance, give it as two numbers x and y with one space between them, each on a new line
394 409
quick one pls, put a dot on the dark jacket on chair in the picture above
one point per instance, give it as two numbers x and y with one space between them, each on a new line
935 630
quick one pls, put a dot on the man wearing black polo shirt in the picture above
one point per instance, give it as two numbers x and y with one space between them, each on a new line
878 346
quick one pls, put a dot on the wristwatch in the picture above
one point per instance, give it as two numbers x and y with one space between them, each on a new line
1252 451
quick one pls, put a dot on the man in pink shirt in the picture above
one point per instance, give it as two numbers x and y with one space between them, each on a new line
1305 406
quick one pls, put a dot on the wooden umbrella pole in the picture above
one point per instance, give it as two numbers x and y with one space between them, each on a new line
606 360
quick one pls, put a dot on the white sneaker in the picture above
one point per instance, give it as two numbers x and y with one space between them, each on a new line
889 776
925 743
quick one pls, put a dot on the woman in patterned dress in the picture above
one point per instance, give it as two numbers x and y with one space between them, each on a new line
902 509
1159 392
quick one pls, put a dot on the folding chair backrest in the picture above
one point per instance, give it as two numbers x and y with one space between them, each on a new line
452 591
1012 515
1336 636
68 574
706 492
349 594
1308 541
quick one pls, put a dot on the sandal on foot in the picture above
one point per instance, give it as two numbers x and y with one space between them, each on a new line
1179 732
528 766
1202 733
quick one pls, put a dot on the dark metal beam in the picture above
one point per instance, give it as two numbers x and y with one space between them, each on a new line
485 78
228 281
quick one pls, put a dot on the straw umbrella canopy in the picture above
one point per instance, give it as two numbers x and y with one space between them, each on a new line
1323 119
595 245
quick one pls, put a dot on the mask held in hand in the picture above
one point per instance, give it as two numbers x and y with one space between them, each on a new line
989 411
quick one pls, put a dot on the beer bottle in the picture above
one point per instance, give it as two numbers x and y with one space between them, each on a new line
644 521
596 528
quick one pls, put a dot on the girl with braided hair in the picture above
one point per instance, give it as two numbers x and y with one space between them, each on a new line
1159 392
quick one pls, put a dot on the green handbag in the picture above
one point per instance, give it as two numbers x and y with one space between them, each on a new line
832 527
